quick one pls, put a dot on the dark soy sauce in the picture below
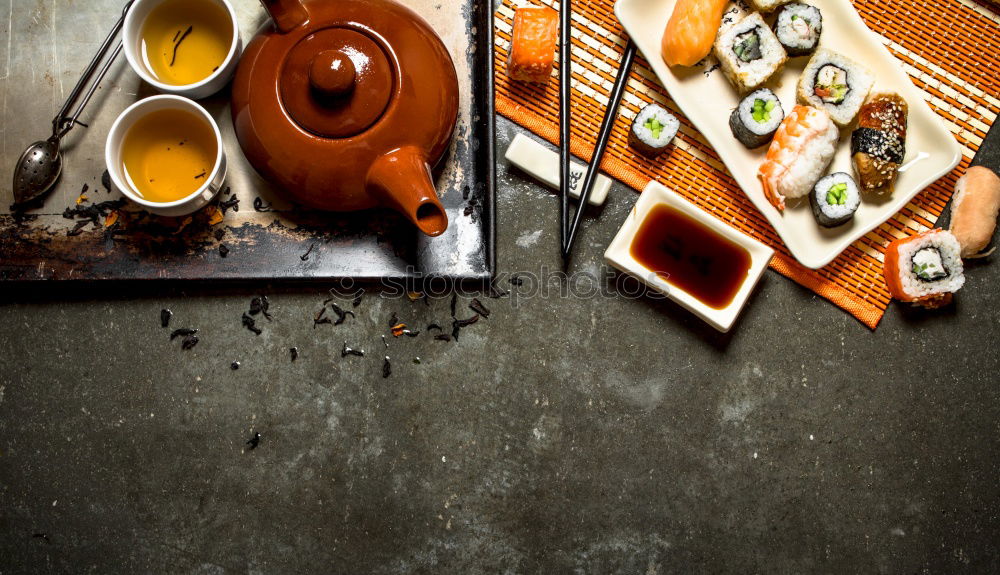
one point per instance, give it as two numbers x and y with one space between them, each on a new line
690 256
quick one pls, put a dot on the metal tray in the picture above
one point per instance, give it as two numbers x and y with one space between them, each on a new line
48 45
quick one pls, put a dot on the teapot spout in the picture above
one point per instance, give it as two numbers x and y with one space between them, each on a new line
403 181
287 14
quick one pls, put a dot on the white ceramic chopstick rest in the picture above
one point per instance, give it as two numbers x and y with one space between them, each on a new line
543 164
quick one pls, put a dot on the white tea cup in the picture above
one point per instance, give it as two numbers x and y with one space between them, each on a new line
135 52
116 167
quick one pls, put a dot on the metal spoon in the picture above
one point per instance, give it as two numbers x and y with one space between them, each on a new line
38 170
40 166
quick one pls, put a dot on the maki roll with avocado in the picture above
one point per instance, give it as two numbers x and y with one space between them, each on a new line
835 199
798 27
757 118
653 130
749 53
836 84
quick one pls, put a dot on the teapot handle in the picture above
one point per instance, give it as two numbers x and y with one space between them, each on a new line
287 14
402 180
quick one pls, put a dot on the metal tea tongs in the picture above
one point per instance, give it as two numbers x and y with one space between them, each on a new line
568 233
40 165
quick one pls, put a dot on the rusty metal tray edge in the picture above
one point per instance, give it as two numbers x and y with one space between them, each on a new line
360 249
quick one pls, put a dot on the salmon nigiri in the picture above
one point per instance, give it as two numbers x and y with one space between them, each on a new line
691 31
533 44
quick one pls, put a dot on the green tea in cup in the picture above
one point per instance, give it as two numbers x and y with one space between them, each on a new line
168 155
186 41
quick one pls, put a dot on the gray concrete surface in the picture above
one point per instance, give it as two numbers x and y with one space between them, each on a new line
599 435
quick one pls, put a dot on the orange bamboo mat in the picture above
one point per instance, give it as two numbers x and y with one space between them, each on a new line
950 48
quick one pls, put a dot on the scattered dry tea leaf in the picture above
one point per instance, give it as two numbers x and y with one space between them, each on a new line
478 307
112 218
215 216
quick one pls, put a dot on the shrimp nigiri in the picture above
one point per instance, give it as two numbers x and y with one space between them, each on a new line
691 31
799 154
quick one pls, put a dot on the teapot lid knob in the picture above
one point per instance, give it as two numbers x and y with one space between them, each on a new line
332 73
337 82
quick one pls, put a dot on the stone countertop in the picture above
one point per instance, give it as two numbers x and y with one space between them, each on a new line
592 433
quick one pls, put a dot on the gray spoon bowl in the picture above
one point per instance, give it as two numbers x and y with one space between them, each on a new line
37 171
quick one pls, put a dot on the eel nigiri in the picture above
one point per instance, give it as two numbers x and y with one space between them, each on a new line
799 154
691 31
533 44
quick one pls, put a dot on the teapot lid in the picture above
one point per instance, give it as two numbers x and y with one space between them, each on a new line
336 82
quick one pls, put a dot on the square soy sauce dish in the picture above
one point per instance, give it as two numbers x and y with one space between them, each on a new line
688 255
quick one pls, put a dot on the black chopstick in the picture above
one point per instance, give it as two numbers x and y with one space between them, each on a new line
565 92
608 124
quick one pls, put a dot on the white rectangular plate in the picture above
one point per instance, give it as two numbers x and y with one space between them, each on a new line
619 255
708 99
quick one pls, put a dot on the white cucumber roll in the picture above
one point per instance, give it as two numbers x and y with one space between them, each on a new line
757 118
835 199
653 130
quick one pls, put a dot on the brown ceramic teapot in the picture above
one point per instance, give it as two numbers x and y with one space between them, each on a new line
347 104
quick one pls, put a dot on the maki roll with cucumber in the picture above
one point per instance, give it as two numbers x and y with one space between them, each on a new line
757 118
836 84
653 130
835 199
798 27
924 269
749 53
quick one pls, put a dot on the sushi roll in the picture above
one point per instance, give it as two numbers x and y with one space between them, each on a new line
533 44
653 130
878 145
798 27
767 5
757 118
835 83
749 53
834 200
924 269
801 150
